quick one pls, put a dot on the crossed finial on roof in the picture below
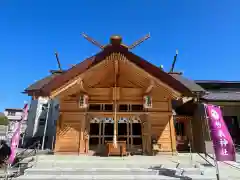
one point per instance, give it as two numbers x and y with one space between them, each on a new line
116 40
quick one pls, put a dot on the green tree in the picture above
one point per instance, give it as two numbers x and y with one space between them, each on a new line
3 120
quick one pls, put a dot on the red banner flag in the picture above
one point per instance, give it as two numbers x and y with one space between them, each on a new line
16 134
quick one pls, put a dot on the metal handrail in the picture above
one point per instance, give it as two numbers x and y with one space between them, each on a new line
19 162
237 168
33 145
17 173
205 158
36 145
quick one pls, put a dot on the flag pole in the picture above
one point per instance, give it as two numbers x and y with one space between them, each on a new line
15 139
214 156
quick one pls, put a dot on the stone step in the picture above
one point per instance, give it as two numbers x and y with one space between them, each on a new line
97 177
92 164
92 171
192 171
97 158
115 177
180 172
98 165
169 171
200 177
101 160
108 162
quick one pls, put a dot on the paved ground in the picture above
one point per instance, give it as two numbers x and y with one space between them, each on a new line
228 170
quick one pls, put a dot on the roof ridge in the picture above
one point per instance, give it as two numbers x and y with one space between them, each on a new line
84 65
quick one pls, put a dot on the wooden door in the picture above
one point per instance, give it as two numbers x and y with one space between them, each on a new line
68 133
123 129
146 135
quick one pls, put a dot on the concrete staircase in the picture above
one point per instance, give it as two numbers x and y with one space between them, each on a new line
51 167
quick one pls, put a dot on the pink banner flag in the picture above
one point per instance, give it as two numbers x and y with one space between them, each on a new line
222 141
16 134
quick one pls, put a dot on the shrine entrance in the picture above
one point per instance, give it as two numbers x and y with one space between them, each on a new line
101 130
129 129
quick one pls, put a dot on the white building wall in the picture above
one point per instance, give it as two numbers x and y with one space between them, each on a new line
17 115
14 116
37 112
51 128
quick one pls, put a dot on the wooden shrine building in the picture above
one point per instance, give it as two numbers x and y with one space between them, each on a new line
115 96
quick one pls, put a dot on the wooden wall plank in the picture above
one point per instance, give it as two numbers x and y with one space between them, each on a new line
159 106
68 132
160 128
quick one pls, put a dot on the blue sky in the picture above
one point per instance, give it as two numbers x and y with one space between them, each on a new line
205 32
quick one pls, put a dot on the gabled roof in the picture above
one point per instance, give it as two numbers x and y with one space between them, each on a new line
217 81
190 84
220 90
222 96
14 109
46 85
40 83
219 85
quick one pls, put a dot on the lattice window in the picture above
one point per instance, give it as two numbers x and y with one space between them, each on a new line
108 120
96 120
123 120
136 119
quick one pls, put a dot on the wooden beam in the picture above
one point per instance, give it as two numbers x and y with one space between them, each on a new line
73 112
75 86
183 118
92 41
103 78
150 87
116 65
77 80
167 88
60 91
143 77
159 113
81 85
116 93
138 42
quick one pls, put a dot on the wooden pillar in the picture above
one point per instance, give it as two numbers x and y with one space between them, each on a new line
146 135
149 137
172 134
101 132
131 133
172 128
58 131
87 128
83 135
128 133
